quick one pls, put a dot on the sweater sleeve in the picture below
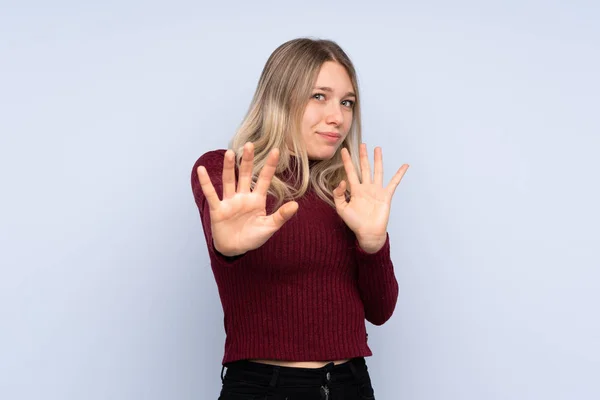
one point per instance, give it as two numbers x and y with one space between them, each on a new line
213 162
377 283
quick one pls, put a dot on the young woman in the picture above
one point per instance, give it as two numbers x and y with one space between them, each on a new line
296 229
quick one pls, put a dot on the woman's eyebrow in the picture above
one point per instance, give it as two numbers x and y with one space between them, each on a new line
328 89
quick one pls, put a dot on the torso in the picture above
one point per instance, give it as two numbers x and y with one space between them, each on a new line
299 364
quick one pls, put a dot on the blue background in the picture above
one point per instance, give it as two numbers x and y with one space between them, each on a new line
105 286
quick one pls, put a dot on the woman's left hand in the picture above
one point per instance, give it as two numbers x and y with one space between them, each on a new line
368 211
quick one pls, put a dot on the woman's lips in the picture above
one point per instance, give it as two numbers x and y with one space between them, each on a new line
330 136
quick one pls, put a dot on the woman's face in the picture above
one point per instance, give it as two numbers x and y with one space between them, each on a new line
328 114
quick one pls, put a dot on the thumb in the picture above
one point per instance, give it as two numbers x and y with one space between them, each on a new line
284 213
339 196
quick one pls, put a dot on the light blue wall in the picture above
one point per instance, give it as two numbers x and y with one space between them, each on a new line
105 287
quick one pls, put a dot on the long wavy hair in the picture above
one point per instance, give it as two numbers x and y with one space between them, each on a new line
275 115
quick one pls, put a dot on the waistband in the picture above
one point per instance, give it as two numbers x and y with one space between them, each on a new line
275 375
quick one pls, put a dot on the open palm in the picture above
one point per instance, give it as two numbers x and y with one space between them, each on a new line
367 213
239 222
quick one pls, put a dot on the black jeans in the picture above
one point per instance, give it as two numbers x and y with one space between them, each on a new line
246 380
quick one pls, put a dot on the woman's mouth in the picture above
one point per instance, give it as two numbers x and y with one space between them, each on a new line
331 137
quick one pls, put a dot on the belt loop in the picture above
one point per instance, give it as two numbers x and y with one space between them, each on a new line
275 376
327 373
222 369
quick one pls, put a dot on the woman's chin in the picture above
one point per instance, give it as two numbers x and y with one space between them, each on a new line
321 155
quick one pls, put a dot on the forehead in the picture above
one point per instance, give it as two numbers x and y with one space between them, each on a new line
334 75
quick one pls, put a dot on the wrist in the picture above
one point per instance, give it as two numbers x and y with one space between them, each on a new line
227 252
372 245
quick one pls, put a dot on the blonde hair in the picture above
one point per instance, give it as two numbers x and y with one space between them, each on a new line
275 114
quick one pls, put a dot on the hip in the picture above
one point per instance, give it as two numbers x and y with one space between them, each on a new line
250 380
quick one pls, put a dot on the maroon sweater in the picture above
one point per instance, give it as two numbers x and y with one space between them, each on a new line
305 294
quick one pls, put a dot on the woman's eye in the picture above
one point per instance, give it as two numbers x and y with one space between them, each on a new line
346 103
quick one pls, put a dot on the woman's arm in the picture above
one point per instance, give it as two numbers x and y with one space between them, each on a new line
377 283
213 162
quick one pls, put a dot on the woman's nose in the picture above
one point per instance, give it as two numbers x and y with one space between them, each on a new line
334 114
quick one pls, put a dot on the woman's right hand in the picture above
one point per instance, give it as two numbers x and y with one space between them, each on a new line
239 222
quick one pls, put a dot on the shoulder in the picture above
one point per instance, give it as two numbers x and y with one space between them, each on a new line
211 160
211 157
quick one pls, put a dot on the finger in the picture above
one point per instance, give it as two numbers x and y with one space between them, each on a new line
378 167
391 187
284 213
364 164
245 178
208 189
339 196
267 172
228 174
349 167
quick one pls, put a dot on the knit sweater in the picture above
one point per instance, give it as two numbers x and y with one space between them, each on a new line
304 295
